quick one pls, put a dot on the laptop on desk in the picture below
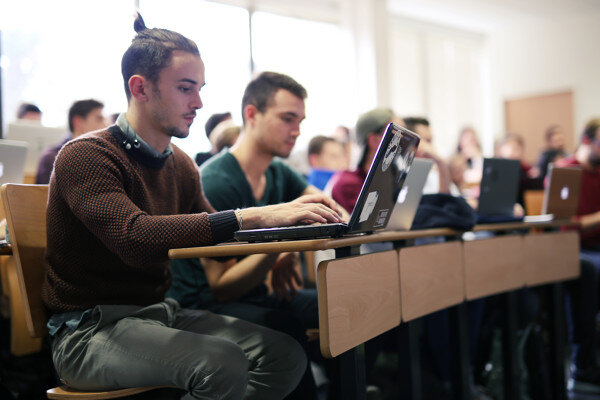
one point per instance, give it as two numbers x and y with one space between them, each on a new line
561 197
375 202
12 161
410 195
39 139
499 190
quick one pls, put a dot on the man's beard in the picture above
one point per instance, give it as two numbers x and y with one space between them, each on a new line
173 131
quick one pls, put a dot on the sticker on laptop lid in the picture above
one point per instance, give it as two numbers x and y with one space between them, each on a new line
381 217
369 206
390 152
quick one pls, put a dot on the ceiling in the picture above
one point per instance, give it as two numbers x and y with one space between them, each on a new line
490 15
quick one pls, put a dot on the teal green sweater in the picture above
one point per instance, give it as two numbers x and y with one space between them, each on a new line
225 187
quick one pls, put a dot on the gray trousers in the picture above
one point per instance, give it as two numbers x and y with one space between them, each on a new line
208 355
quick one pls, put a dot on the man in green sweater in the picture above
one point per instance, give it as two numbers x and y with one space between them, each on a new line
248 176
119 199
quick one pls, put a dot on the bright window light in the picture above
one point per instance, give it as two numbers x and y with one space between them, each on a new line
57 52
320 57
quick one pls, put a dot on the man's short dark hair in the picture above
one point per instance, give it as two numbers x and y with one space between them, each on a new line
589 132
261 90
82 108
412 122
315 146
215 120
26 108
150 52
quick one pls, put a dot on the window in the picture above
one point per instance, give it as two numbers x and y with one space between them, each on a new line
320 57
57 52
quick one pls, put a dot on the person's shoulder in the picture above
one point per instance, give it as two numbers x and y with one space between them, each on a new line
181 157
89 142
218 164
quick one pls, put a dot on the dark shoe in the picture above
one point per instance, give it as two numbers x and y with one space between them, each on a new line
586 380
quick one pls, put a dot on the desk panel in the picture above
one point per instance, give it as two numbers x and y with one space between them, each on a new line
431 278
359 298
551 257
493 265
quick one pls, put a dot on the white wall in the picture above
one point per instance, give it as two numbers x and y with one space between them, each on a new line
547 57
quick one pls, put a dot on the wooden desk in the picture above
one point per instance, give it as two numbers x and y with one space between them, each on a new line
243 248
431 278
345 272
359 298
239 249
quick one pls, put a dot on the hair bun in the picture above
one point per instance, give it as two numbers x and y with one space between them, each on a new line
139 24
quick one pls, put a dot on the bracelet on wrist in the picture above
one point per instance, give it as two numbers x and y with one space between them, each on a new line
238 213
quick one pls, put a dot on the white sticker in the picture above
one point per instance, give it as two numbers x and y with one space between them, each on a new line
390 152
381 216
1 169
369 206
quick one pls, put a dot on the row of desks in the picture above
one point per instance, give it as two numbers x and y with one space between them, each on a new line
362 296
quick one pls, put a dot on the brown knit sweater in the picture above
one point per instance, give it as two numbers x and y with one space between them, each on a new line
113 214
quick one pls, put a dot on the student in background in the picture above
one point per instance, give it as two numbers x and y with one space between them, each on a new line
248 176
209 126
325 157
587 157
225 135
586 371
29 112
438 180
84 116
119 199
468 147
555 149
346 185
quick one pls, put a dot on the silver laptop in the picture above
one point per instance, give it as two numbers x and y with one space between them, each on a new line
39 139
410 195
12 161
561 197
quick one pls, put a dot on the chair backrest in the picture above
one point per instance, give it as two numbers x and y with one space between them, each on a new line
25 207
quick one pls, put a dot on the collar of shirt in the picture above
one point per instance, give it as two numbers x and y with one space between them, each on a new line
136 141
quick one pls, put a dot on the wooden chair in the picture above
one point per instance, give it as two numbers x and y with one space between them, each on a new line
25 207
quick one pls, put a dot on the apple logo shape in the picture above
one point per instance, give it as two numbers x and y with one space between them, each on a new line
402 195
564 193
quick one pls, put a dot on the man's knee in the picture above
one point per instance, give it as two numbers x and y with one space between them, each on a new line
289 360
223 371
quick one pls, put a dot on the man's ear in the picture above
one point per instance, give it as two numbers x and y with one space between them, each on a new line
76 122
138 86
313 160
250 112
